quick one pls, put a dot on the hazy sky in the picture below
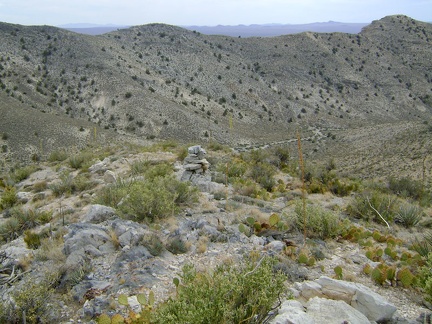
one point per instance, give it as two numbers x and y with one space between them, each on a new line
206 12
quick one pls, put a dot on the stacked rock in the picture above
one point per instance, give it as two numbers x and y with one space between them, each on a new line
195 165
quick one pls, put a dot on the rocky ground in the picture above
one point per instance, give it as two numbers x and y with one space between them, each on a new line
110 252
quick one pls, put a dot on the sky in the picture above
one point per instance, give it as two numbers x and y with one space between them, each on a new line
206 12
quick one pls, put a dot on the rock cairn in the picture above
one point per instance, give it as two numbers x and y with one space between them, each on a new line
195 165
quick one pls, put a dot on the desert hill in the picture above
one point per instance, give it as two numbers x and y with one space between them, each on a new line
159 81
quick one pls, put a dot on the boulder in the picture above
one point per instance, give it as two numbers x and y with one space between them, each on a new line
371 304
292 312
358 296
110 176
329 311
128 232
98 214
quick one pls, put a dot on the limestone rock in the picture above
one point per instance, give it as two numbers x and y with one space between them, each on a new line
374 306
329 311
99 213
128 232
110 176
292 312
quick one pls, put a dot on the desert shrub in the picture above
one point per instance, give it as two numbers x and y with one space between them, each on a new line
69 184
112 194
182 153
23 173
215 146
57 156
64 186
75 274
34 300
425 278
322 180
229 294
177 246
320 222
22 220
82 182
263 174
409 215
140 166
407 187
51 248
368 204
32 240
153 244
40 186
248 187
282 155
81 160
10 229
8 198
235 168
159 170
149 199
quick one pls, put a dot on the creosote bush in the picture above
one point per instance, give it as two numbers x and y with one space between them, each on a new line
229 294
150 199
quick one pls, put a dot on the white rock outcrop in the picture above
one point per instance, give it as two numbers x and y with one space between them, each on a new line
328 300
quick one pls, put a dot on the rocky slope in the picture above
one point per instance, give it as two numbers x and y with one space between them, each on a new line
101 255
167 82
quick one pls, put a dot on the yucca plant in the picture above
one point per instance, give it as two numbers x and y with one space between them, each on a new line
409 215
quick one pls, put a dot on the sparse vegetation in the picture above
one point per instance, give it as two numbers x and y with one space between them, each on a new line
147 93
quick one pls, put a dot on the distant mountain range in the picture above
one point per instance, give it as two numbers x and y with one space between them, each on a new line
255 30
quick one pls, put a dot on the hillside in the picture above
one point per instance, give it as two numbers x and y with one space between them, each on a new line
160 81
106 208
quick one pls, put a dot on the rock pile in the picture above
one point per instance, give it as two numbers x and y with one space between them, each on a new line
195 165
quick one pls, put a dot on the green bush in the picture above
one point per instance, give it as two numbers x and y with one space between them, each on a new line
23 173
8 198
154 245
407 187
263 174
112 194
22 220
148 199
57 156
69 184
81 160
425 276
320 222
229 294
177 246
248 187
368 204
35 300
32 240
234 168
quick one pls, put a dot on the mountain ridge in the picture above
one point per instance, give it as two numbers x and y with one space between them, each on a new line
161 81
